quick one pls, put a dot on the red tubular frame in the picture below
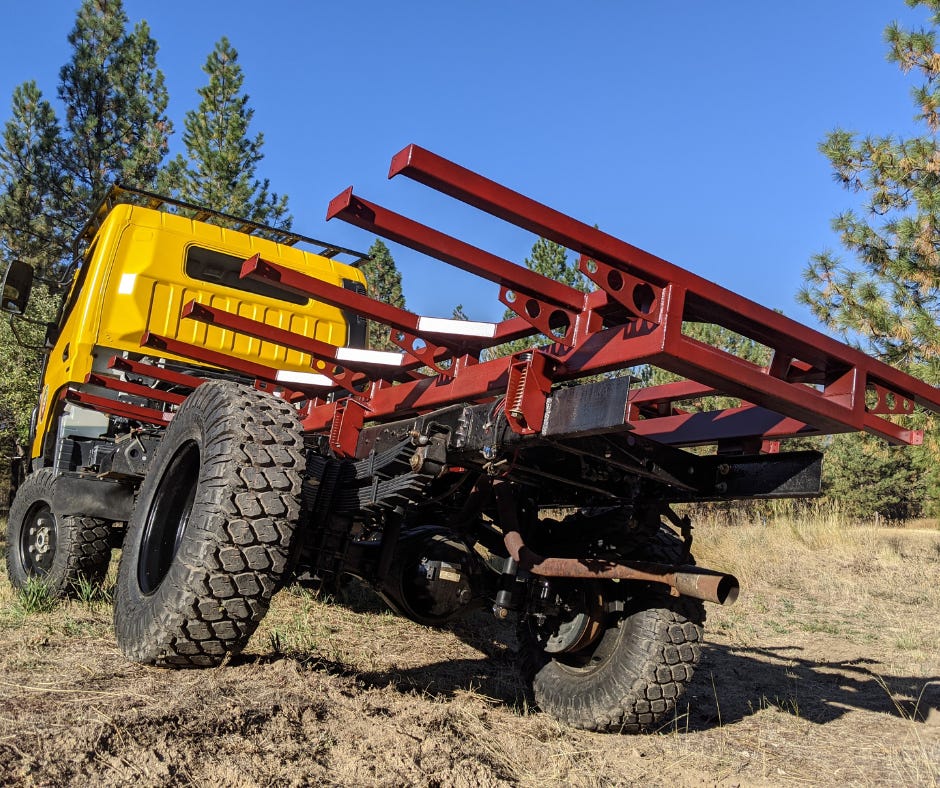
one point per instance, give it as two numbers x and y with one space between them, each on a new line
801 354
813 383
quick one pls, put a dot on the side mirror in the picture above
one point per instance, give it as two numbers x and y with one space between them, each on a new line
16 286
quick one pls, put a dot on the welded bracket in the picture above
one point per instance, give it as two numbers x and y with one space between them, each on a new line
437 357
527 392
348 418
639 297
553 321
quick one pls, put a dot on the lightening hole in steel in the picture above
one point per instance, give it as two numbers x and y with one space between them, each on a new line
532 308
399 336
559 324
339 373
319 364
643 298
614 280
591 266
511 296
418 344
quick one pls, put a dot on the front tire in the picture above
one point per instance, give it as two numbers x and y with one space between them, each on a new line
211 535
60 551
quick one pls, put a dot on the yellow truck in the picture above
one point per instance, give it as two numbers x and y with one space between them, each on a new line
136 264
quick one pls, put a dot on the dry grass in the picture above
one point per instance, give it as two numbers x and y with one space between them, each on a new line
823 673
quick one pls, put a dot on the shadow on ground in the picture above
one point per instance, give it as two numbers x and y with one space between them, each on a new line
731 683
734 683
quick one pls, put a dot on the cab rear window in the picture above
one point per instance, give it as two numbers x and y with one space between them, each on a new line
216 268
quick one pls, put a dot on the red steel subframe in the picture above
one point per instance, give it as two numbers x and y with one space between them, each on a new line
673 295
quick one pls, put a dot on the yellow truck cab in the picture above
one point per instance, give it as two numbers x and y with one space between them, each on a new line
143 257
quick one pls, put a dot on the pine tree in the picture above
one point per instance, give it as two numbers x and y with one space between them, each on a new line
551 260
31 185
115 101
886 296
219 167
383 283
52 175
867 477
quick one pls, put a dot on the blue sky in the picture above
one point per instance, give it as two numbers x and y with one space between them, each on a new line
687 128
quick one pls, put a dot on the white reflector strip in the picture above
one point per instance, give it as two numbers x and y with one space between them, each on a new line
467 328
305 378
126 285
386 357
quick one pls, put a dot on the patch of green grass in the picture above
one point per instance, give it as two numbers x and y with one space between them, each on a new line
93 594
34 597
907 642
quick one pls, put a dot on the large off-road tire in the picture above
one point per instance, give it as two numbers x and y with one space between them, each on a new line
60 551
629 679
212 531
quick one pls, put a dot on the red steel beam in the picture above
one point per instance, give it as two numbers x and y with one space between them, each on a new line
731 424
135 389
309 286
153 371
300 284
369 216
117 408
224 361
449 337
667 393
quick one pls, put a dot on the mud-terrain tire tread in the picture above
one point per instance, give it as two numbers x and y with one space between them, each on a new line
83 544
635 689
236 548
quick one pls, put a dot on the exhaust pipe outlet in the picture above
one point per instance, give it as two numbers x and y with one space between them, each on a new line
707 584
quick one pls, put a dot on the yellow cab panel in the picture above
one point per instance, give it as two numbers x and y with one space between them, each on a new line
144 265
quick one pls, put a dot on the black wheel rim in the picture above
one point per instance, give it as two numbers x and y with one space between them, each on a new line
168 516
37 541
583 629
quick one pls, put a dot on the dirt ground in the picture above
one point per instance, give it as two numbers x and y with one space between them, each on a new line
826 672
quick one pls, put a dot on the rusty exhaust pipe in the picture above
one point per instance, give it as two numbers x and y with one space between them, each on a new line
692 581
